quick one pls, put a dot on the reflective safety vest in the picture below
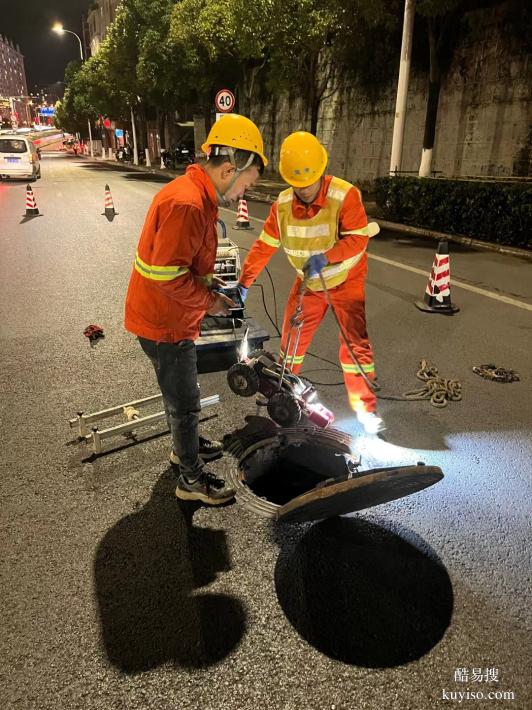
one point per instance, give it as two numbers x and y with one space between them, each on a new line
302 238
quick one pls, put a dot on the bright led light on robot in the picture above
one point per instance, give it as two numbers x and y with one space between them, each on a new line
244 347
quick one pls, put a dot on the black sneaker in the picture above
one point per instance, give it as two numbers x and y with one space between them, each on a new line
208 451
208 488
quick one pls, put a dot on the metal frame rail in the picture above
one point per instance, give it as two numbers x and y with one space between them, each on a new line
95 436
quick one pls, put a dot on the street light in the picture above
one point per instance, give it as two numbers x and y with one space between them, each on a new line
59 29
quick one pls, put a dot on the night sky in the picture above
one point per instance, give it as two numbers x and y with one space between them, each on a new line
28 23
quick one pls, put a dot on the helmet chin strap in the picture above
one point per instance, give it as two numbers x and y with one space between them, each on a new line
223 201
230 152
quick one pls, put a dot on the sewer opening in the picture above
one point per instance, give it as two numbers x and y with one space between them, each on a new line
281 474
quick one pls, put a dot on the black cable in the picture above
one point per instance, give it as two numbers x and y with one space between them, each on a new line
318 357
373 386
274 300
324 359
266 309
321 384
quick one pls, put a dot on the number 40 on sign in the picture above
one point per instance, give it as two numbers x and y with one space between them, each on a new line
224 101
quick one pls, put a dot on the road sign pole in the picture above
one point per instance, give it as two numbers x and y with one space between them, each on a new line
90 137
134 131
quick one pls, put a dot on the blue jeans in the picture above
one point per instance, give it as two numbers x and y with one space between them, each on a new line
177 375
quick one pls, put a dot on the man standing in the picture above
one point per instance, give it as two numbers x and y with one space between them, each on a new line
322 226
170 289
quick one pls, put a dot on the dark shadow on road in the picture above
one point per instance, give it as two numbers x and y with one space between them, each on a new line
146 571
149 177
105 167
29 217
130 173
398 293
406 241
362 594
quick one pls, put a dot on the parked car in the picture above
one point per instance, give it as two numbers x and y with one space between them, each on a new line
180 154
19 158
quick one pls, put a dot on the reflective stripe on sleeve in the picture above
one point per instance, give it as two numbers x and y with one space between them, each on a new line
370 230
270 241
158 273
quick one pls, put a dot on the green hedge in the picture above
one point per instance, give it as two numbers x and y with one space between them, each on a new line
492 211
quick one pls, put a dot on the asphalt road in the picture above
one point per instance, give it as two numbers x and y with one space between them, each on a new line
115 596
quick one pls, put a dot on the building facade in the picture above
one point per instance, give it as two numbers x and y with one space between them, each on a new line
12 73
14 102
100 15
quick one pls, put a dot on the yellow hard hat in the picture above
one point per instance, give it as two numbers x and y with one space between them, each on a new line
236 132
303 159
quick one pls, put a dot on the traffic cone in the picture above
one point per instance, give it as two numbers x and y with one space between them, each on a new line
242 217
31 204
437 298
109 210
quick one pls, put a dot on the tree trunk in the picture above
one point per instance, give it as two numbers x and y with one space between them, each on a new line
161 128
140 120
313 105
207 117
314 113
273 131
432 104
250 77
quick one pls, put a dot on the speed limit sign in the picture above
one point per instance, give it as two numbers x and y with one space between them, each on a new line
224 101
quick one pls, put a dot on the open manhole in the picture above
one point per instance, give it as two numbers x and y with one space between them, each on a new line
306 473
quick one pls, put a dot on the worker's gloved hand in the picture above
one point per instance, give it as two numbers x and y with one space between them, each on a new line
242 290
314 264
221 305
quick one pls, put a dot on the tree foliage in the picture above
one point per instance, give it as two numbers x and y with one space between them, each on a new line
162 55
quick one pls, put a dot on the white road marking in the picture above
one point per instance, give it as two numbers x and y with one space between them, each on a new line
454 282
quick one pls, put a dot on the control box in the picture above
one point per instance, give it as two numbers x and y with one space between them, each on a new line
221 337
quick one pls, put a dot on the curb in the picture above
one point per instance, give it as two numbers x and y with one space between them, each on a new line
170 174
427 233
457 238
267 198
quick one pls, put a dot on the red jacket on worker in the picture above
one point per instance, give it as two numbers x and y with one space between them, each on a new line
168 292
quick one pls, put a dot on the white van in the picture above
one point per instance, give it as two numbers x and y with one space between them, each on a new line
19 157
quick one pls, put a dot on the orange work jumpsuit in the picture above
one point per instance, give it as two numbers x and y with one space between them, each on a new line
168 292
341 206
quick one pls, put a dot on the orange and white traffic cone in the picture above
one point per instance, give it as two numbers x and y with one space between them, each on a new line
109 210
242 217
437 298
31 204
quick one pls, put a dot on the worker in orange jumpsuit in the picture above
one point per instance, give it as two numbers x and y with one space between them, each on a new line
170 289
322 226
